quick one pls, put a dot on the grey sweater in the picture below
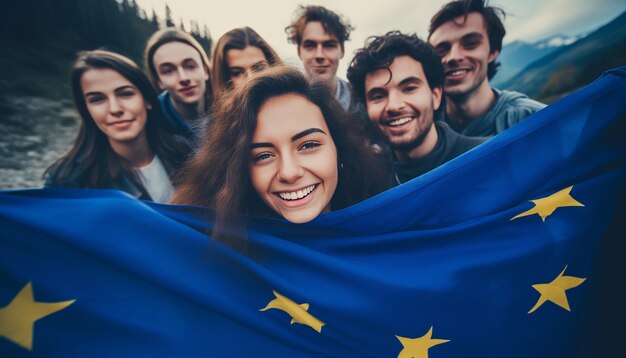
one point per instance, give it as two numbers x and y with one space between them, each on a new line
508 109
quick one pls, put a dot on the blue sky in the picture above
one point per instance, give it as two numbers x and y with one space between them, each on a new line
529 20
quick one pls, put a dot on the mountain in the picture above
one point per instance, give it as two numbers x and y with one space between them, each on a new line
575 65
516 55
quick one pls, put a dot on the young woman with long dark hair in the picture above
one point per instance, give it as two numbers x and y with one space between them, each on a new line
123 141
280 146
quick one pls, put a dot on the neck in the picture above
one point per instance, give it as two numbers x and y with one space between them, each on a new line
189 111
423 149
464 108
137 151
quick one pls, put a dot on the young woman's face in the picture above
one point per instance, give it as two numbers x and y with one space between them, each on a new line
116 105
242 63
293 159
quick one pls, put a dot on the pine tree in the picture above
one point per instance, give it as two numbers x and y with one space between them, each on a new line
155 20
169 21
194 28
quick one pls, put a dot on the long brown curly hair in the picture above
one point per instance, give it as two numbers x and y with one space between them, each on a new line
218 175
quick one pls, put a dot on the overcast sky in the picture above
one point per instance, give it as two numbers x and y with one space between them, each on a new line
529 20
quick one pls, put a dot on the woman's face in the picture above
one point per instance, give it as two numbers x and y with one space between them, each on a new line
293 159
242 63
116 105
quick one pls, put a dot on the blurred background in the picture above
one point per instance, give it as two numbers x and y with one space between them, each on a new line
552 48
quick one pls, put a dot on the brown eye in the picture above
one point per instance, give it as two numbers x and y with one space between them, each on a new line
261 157
235 73
95 99
308 145
259 67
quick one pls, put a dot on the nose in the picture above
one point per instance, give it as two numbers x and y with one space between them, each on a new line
290 169
455 54
182 75
115 107
395 103
319 52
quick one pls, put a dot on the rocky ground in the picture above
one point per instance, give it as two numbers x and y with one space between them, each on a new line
35 131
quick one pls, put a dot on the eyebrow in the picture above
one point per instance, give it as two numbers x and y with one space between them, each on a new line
166 64
410 80
402 83
472 35
294 138
305 133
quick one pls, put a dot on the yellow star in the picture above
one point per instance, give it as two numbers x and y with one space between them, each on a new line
17 319
544 207
555 290
418 347
297 312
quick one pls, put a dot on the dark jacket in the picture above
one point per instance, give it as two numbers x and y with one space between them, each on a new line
449 145
193 132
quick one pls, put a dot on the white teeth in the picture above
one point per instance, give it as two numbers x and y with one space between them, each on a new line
297 194
457 72
400 121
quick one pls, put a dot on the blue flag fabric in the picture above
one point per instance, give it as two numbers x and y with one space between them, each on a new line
504 251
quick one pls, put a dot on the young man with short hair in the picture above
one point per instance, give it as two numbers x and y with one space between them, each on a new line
399 80
320 35
178 65
467 35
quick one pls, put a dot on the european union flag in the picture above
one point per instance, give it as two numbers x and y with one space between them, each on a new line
501 252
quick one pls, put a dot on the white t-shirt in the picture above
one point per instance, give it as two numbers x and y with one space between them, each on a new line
156 181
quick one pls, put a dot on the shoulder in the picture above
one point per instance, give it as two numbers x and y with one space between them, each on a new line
516 102
459 143
513 107
57 179
181 149
163 97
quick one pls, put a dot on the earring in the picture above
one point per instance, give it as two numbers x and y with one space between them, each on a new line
149 106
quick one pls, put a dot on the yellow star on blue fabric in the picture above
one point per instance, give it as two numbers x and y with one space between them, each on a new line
544 207
555 290
298 312
418 347
17 319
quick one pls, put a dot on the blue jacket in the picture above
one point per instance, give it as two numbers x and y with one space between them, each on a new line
178 124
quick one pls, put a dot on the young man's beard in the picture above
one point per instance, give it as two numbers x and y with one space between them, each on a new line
417 140
410 145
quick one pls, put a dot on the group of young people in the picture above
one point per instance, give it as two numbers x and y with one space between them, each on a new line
247 135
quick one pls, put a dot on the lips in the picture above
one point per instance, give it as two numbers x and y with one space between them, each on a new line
121 123
456 73
321 69
188 90
296 194
399 121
